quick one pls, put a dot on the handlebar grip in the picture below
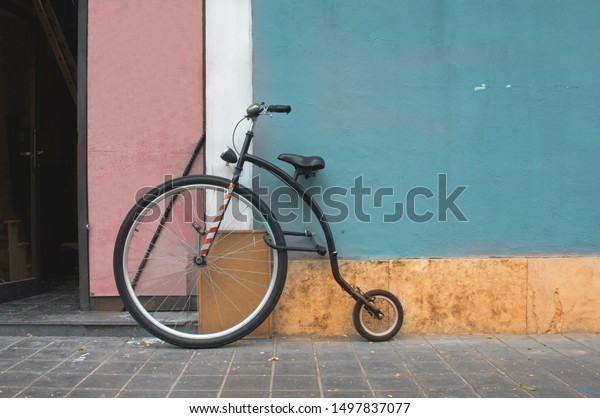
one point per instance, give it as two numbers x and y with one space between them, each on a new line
279 109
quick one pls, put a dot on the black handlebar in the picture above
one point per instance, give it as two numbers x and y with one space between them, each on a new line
256 109
279 109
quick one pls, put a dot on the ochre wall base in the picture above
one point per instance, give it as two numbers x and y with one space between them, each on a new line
458 296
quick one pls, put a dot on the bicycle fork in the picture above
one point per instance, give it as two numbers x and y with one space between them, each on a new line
354 291
204 247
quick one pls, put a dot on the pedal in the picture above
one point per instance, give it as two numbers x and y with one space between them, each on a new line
321 250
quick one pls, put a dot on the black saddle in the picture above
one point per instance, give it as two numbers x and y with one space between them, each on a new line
304 165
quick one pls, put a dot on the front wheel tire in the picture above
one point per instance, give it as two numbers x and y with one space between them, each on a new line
190 302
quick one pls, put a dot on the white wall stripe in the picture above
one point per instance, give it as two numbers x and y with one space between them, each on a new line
228 76
228 79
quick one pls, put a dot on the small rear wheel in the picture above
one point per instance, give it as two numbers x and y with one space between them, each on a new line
378 329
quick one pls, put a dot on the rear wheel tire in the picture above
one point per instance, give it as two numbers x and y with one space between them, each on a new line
373 328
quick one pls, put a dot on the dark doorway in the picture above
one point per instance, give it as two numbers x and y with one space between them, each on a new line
38 152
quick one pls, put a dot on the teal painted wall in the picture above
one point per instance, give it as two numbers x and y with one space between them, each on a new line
501 96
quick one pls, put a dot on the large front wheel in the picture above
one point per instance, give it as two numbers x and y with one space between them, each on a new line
178 296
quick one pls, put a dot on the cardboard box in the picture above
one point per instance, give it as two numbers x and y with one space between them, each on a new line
250 255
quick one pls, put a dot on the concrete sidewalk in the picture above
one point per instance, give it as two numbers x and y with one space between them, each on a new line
410 366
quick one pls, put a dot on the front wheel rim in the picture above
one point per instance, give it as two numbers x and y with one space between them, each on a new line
157 322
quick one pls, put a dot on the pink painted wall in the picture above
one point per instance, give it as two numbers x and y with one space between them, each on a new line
145 110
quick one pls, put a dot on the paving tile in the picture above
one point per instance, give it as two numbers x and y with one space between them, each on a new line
578 377
34 392
446 342
92 393
131 354
346 383
461 355
7 364
340 368
104 381
18 379
119 367
263 368
8 392
488 380
150 382
193 394
391 382
214 354
378 354
440 381
574 350
199 383
143 394
76 367
291 346
236 383
502 392
37 366
399 394
17 354
550 391
535 377
245 394
177 355
365 347
452 393
32 343
283 367
294 356
207 368
155 368
69 343
295 394
110 344
291 382
59 380
262 344
377 368
591 362
333 344
519 341
589 340
256 355
324 356
417 356
475 366
51 354
483 342
429 367
92 355
8 341
347 393
588 392
341 345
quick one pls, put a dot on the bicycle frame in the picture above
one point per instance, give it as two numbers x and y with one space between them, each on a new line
245 156
196 297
